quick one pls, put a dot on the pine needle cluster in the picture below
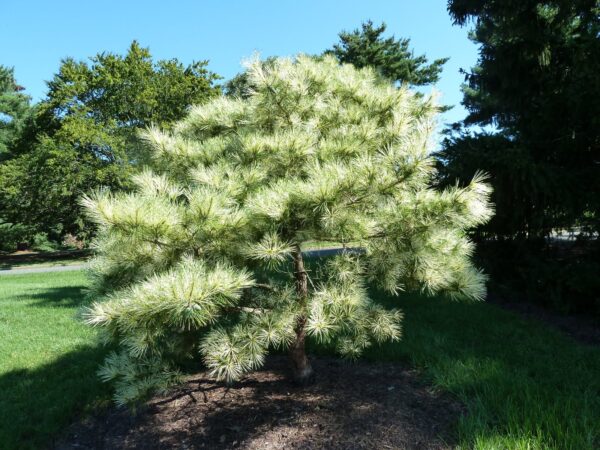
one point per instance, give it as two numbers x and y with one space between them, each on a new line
204 259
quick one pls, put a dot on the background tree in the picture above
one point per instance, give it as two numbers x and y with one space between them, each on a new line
536 83
519 182
83 136
392 58
41 189
14 110
130 91
367 47
15 113
318 151
535 87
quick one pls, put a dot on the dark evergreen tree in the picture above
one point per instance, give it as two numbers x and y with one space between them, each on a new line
14 110
15 114
367 47
536 82
391 57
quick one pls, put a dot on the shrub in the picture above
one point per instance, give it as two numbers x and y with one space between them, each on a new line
12 235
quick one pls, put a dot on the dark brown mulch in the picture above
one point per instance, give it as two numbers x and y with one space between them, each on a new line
351 406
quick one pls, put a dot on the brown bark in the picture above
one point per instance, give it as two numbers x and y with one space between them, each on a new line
302 370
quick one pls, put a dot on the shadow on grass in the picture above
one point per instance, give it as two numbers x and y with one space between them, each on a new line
66 296
35 405
526 385
8 262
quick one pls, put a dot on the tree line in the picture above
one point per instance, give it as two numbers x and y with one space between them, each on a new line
83 135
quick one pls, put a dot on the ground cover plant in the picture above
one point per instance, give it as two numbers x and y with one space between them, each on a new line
317 151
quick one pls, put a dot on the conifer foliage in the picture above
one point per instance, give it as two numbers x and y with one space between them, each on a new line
204 260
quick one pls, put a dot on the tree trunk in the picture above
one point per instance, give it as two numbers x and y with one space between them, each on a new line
302 370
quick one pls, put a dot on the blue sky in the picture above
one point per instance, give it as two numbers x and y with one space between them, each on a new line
35 35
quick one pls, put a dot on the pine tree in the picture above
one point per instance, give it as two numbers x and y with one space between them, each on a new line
536 82
392 58
367 47
205 258
14 110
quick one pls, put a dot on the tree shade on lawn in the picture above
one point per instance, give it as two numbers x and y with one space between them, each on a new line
48 358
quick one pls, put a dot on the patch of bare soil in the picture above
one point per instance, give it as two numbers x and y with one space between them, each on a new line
351 406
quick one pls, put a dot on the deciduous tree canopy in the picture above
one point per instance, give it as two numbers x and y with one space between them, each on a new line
84 133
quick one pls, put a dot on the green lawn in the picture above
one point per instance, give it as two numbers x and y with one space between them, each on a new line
48 359
525 385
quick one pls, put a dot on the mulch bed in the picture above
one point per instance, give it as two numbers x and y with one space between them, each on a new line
351 406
